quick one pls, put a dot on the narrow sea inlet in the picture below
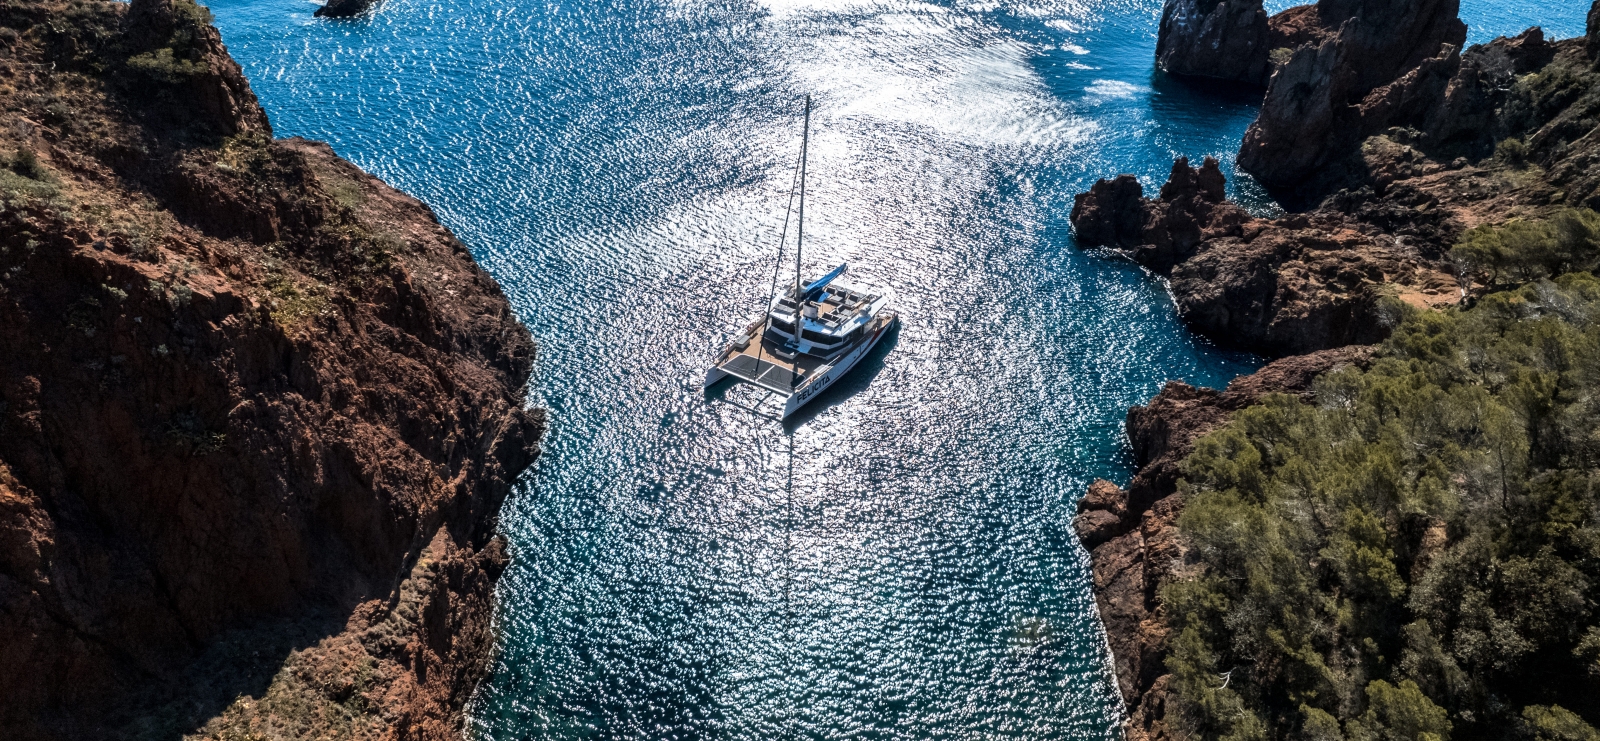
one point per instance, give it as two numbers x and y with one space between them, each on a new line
898 562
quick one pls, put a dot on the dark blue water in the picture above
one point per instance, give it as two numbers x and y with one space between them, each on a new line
900 563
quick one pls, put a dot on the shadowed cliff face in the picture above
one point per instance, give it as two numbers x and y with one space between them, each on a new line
1235 40
1226 40
258 410
1360 45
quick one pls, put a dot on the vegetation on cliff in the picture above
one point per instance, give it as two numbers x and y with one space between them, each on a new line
1416 554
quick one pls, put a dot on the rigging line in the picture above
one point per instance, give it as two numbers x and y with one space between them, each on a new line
799 244
783 235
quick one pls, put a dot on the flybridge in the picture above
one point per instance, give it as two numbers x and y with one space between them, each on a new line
814 333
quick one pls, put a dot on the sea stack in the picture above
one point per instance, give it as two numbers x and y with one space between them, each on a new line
1225 40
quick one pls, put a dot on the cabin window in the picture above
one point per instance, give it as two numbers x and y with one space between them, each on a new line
820 338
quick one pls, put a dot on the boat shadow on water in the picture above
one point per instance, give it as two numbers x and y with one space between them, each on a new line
857 380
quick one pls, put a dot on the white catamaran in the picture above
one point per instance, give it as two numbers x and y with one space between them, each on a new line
838 325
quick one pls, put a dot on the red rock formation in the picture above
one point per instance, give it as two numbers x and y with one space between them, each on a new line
1282 286
1307 119
1310 281
174 41
1137 546
258 410
1159 233
1453 103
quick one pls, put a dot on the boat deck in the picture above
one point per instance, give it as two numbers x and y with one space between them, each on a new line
760 364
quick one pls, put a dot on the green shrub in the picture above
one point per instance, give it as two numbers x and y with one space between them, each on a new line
1400 713
1314 596
163 66
1512 152
1520 251
1555 723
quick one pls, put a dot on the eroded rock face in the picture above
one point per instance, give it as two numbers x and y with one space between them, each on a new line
1142 549
1306 120
1274 283
213 91
1389 37
1453 104
258 410
1158 233
1593 28
1222 40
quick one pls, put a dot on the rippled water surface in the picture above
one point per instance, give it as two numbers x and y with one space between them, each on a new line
898 564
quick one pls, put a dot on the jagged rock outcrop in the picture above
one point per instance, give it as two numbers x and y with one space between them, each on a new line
1453 102
1593 29
258 410
174 44
1159 233
1132 533
1218 39
1503 130
1308 118
1296 284
1235 40
1506 129
344 8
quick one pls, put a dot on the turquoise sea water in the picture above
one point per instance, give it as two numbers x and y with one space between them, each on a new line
900 563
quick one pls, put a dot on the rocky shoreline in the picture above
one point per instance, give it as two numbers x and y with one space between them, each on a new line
259 410
1389 142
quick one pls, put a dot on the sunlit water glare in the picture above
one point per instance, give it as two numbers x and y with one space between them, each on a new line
899 564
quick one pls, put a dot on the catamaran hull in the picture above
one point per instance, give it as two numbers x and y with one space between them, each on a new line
713 375
839 370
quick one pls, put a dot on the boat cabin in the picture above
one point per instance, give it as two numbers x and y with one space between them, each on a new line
832 317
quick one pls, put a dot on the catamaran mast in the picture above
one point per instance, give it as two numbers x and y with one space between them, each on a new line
800 234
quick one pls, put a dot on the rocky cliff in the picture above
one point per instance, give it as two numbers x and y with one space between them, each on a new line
1504 130
1227 40
1390 142
258 411
1235 40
